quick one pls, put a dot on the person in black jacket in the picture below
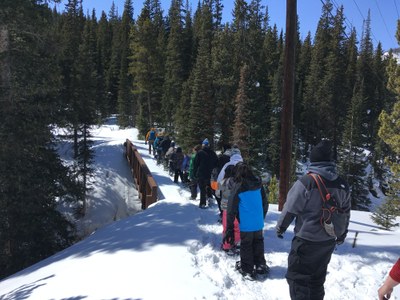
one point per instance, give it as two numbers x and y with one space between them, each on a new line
313 245
165 145
204 163
248 203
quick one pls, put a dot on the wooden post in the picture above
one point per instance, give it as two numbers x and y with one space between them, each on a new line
288 98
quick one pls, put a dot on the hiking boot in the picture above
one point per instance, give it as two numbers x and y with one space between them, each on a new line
202 206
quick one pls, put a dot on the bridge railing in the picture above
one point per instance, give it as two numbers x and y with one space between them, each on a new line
143 179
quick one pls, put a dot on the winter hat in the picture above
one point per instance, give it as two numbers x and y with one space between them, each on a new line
205 142
235 150
321 152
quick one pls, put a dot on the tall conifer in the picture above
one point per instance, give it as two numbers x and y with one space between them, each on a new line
125 101
32 177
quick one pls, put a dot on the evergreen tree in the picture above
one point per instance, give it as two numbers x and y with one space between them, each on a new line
258 85
303 71
333 107
386 214
316 90
71 39
239 28
353 161
188 45
223 84
32 177
273 188
174 66
113 70
147 65
240 128
104 41
125 101
274 114
367 76
202 106
85 109
389 132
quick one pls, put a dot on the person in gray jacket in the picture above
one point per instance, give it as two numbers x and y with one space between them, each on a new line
313 245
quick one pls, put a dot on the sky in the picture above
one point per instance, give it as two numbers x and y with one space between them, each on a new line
384 14
171 250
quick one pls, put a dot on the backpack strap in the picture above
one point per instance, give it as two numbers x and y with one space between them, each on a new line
328 203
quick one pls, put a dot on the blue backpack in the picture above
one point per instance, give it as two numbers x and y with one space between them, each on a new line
152 135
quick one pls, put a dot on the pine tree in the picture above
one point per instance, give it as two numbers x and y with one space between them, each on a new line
240 128
366 74
125 101
386 214
113 70
273 188
174 66
86 109
274 114
147 65
258 85
32 177
71 39
202 107
352 158
316 90
223 84
389 132
104 39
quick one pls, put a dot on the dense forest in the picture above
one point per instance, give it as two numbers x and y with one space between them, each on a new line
187 72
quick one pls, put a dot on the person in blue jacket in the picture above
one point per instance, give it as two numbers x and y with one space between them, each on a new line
248 203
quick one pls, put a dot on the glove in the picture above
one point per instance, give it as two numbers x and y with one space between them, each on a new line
340 239
279 233
229 237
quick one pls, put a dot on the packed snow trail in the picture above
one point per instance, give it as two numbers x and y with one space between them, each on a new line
171 251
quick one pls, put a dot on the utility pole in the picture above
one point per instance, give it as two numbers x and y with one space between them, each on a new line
287 101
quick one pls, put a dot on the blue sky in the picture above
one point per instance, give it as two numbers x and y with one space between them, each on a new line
384 14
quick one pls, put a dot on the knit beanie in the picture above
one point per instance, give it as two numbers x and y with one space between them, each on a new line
321 152
205 142
235 150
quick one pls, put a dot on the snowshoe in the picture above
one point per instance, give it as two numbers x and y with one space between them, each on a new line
261 272
233 251
246 276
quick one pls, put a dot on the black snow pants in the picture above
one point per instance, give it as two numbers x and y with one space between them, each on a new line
307 266
251 250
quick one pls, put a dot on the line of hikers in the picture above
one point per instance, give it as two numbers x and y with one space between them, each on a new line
217 176
243 205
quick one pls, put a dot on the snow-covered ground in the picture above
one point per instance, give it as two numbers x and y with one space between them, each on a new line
171 250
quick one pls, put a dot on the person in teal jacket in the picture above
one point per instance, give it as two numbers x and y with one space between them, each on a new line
248 203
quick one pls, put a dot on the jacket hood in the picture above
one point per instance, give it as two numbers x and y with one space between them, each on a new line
251 183
235 158
326 169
